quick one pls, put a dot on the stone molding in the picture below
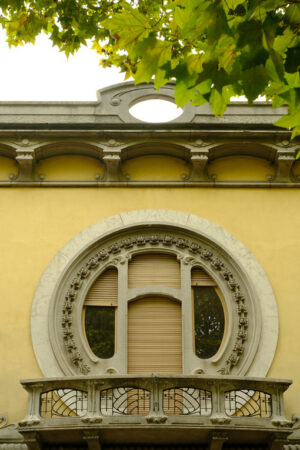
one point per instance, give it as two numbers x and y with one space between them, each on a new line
118 148
105 130
227 252
190 253
111 110
10 438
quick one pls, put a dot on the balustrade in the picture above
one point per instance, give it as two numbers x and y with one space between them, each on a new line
156 399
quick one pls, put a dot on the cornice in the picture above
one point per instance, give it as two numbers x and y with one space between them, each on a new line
106 131
111 111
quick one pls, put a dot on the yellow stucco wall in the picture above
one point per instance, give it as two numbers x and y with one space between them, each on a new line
247 168
7 166
155 168
37 222
70 167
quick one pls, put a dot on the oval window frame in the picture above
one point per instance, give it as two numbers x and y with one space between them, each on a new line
158 98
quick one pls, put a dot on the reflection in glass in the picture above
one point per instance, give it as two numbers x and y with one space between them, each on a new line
100 330
208 321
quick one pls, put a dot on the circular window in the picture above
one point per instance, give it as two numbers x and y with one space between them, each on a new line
222 307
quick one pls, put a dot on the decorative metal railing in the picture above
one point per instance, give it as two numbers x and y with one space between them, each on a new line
124 401
156 399
63 403
187 401
248 403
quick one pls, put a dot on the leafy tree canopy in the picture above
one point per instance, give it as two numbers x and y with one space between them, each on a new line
214 49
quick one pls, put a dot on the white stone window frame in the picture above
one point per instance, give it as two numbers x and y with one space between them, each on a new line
61 356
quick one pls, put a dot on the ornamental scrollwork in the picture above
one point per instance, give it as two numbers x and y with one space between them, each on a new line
199 253
3 420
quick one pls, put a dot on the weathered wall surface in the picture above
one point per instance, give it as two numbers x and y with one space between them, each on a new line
37 222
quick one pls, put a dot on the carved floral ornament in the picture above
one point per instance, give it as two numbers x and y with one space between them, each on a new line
191 253
249 340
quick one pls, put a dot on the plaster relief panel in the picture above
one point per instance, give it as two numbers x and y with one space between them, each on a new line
241 168
70 168
155 168
8 168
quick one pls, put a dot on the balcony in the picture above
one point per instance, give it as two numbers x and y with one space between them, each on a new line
155 409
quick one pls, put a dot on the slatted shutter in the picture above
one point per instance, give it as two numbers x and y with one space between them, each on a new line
154 269
104 291
154 336
201 278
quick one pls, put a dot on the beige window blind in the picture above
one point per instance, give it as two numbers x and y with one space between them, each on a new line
154 269
201 278
104 291
154 336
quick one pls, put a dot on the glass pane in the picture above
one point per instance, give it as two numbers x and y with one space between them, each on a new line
100 330
208 321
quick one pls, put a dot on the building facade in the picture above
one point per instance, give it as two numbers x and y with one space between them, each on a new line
150 283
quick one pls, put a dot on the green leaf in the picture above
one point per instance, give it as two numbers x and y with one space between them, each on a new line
272 71
226 52
219 100
290 97
277 101
202 92
161 78
128 27
155 54
278 63
218 105
269 31
254 81
216 22
204 87
199 100
192 18
291 120
292 62
293 79
296 132
249 34
185 87
283 41
232 4
293 13
195 63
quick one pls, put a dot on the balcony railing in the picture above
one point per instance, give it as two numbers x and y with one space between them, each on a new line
157 401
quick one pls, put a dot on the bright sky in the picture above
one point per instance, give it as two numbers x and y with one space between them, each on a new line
41 73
